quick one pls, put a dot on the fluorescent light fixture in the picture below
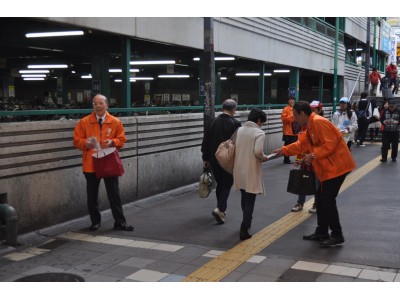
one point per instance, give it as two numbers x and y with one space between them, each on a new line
73 72
174 76
33 71
120 70
281 71
33 75
357 49
217 58
252 74
142 78
182 65
86 76
48 66
55 33
33 78
120 80
153 62
223 78
46 49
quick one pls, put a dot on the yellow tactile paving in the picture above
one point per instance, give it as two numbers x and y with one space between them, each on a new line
222 265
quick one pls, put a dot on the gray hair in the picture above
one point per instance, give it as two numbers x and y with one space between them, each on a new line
229 105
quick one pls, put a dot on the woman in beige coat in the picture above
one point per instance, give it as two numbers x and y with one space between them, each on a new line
247 171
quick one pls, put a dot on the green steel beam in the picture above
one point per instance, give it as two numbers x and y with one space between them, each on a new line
335 63
261 84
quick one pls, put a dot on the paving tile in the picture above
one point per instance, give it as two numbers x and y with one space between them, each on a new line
377 275
186 270
96 239
142 244
137 262
164 266
397 278
256 259
167 247
35 251
344 271
324 277
172 278
44 269
199 261
256 278
118 241
147 276
233 276
213 253
186 254
89 268
309 266
73 235
118 271
110 258
293 275
245 267
274 266
101 278
141 252
18 256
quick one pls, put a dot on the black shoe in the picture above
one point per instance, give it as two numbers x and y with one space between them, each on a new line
94 227
333 241
316 237
383 160
123 227
244 234
393 160
288 162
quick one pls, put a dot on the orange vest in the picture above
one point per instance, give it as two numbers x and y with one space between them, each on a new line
287 120
88 126
332 156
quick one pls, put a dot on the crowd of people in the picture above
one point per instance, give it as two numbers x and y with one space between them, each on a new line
318 144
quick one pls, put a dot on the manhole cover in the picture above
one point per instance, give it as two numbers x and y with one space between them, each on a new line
51 277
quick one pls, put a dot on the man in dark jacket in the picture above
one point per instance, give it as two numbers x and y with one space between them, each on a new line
390 118
221 129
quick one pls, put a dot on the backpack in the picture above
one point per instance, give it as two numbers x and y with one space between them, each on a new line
362 114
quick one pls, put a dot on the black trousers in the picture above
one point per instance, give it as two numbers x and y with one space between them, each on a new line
390 138
112 188
247 202
327 213
288 139
362 132
224 182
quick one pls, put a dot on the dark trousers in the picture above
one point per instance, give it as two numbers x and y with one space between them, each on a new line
112 188
247 203
327 213
224 182
362 132
390 138
288 139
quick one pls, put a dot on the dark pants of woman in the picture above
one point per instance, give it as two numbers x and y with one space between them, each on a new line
248 200
327 213
224 182
390 138
112 188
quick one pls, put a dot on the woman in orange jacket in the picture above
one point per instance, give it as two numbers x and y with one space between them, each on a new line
287 127
331 160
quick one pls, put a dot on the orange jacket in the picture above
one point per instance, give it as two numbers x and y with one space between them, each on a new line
89 127
374 77
332 156
287 120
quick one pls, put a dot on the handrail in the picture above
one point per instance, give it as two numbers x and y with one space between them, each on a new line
358 77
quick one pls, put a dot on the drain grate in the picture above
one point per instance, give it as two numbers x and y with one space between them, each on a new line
51 277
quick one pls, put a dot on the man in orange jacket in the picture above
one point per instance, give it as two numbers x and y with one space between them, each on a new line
100 130
331 160
287 126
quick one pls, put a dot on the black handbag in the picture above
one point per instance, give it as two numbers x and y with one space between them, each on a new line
301 182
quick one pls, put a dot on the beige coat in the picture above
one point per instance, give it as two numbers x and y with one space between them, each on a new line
249 151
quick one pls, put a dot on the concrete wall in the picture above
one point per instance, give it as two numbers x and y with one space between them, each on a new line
40 170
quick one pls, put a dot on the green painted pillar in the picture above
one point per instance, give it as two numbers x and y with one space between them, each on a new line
374 62
101 75
201 80
261 84
126 74
209 72
294 79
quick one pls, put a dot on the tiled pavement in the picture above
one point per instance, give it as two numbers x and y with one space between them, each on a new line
98 258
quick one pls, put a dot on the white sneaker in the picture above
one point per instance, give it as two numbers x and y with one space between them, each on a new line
297 207
219 215
312 210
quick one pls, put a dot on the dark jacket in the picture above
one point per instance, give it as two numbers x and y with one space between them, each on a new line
221 129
